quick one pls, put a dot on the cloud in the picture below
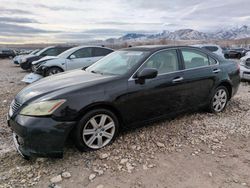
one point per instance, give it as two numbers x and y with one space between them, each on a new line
13 29
12 11
60 8
17 20
98 19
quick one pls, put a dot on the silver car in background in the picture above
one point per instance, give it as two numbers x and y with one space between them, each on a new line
74 58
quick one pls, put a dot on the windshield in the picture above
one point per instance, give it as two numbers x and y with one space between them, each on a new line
43 50
68 52
117 63
34 52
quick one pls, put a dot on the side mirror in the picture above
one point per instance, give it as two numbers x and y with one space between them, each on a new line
72 57
147 73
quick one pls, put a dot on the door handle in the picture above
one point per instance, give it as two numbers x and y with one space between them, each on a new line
216 71
178 79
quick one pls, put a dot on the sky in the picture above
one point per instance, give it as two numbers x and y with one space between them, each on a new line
48 21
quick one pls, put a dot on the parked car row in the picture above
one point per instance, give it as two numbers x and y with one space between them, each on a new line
72 58
18 59
126 88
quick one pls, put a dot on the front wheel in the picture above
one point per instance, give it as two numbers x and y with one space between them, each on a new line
219 100
53 70
96 129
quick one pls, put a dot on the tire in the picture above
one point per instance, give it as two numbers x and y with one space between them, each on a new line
96 137
238 56
53 70
219 100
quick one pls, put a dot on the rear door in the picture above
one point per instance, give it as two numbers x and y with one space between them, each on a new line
199 77
81 58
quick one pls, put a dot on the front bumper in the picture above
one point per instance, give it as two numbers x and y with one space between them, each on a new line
32 77
39 136
244 73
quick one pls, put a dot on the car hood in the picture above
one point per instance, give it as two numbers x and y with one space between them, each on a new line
29 56
67 81
46 58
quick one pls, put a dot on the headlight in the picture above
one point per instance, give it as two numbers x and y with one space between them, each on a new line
42 108
23 60
242 62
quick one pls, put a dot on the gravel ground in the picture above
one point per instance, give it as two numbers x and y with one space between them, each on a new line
192 150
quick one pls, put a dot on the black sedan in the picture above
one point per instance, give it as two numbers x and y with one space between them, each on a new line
127 88
26 62
235 53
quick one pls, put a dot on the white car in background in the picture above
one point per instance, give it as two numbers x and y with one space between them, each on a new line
17 59
245 67
212 48
74 58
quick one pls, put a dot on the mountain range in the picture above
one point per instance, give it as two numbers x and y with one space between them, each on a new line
190 34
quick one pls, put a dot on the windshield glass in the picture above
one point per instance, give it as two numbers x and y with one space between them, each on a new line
43 50
68 52
117 63
34 52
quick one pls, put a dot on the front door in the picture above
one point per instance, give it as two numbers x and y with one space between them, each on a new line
79 59
159 96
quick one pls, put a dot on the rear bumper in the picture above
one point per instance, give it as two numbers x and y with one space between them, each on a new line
244 73
39 137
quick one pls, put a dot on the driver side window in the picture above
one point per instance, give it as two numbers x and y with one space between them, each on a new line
164 61
83 53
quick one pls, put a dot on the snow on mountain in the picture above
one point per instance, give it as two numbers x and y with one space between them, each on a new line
190 34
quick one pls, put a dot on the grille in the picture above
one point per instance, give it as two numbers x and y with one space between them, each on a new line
15 106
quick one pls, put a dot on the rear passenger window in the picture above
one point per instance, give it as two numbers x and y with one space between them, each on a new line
212 61
164 62
194 59
101 52
211 48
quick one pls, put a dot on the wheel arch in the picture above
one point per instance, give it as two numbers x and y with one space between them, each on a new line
55 66
101 105
229 87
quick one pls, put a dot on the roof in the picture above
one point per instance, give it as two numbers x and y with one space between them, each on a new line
152 48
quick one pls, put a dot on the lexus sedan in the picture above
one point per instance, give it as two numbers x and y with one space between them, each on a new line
127 88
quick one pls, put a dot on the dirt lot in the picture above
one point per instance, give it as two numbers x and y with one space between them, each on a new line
195 150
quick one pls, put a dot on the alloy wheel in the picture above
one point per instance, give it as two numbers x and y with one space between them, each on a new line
98 131
220 100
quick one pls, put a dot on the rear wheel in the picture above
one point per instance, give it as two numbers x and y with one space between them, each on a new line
53 70
219 100
96 129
